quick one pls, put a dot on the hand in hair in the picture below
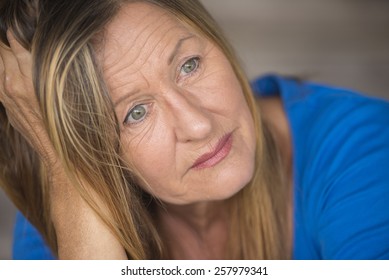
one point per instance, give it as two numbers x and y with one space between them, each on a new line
17 96
80 232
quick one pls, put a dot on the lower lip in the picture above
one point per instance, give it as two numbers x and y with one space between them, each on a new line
219 156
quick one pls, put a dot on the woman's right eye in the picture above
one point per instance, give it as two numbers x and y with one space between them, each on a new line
136 114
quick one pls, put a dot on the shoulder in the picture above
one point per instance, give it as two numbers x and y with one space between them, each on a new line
341 179
324 117
335 128
338 120
342 150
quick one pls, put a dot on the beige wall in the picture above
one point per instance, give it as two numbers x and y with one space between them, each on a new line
344 42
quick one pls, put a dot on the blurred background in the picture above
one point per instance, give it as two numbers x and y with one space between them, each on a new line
340 42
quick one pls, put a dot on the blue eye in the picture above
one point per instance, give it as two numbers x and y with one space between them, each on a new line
136 114
190 65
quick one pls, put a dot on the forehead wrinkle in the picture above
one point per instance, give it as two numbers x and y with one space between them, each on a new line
123 88
147 39
127 29
128 16
128 89
138 50
124 54
156 44
120 78
168 44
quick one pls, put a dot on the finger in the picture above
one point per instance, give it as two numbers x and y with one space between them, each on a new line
12 78
3 48
23 56
1 79
1 66
10 63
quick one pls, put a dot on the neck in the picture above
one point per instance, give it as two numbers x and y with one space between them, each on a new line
274 115
195 231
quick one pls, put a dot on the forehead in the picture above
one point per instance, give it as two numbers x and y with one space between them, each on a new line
138 25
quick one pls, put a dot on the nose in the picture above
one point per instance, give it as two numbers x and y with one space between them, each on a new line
190 119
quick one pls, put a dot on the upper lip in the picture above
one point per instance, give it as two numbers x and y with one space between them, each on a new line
220 144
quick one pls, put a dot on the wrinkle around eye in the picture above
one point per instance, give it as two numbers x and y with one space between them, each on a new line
134 141
131 92
142 129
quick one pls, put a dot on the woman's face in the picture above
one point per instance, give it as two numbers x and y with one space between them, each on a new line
185 124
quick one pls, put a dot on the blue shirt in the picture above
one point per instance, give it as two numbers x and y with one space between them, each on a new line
341 173
341 170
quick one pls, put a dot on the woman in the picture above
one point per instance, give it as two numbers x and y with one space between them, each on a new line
143 140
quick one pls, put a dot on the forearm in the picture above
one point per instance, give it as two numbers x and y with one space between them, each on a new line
81 234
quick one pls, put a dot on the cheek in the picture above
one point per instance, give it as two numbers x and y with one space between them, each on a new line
151 155
235 105
224 90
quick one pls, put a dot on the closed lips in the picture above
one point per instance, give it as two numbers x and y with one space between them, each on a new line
221 150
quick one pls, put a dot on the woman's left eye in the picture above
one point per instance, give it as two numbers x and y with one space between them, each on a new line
190 66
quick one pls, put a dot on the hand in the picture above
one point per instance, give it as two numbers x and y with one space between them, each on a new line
81 234
18 97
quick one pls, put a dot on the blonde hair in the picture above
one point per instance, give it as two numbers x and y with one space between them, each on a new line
79 116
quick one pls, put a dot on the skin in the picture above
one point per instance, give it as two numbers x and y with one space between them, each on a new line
144 64
80 232
187 115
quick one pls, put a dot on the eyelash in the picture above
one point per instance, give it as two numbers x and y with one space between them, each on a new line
148 109
194 71
198 65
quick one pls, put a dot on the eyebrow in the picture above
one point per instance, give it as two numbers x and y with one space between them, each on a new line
124 97
170 60
177 47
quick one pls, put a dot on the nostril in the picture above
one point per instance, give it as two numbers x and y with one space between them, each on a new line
193 125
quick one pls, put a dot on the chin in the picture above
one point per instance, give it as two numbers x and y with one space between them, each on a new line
230 183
